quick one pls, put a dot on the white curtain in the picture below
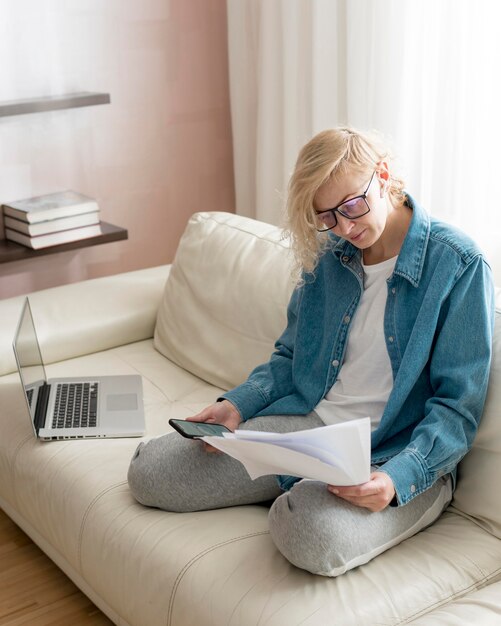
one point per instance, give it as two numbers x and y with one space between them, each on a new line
43 52
424 73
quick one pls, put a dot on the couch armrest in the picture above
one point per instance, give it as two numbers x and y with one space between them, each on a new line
86 317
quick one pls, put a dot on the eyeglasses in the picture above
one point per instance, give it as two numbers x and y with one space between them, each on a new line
352 209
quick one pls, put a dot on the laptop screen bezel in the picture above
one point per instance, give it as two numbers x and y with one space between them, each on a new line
27 314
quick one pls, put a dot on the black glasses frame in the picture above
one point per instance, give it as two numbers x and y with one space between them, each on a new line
338 209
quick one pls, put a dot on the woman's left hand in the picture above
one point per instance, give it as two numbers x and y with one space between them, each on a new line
374 495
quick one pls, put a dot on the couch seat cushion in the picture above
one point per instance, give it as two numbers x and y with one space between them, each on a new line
221 567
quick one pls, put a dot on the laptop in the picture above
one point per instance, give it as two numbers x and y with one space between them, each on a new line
75 408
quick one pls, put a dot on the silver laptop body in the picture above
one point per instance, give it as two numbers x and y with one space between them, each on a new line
75 408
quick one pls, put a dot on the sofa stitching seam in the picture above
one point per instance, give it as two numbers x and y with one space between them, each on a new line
154 384
446 600
407 619
479 569
124 360
87 513
181 574
248 232
13 464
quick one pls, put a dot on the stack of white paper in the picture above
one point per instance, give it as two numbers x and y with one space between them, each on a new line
337 454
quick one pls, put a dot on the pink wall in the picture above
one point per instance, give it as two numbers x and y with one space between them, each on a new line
158 153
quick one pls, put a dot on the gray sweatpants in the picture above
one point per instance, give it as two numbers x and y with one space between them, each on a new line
314 529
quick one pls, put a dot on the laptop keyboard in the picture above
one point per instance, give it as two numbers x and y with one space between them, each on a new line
76 405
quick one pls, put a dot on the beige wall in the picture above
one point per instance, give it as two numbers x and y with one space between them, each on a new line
159 152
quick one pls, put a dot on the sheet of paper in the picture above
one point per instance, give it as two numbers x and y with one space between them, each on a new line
337 454
346 442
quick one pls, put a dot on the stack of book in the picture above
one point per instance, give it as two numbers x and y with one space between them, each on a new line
51 219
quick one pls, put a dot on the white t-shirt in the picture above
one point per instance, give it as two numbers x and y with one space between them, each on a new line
365 378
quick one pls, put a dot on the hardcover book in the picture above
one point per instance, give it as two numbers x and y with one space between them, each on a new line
51 226
53 239
50 206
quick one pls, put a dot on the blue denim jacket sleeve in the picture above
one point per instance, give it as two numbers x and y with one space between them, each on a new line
459 373
272 380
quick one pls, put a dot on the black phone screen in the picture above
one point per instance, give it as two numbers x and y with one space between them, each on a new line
198 429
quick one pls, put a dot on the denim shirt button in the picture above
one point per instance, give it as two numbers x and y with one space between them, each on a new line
335 363
390 339
347 319
393 291
346 259
413 488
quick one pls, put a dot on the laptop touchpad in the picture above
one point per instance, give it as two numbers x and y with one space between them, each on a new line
121 402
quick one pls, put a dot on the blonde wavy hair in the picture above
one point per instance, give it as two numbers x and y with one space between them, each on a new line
331 153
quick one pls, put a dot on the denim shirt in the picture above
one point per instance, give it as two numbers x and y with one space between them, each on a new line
438 325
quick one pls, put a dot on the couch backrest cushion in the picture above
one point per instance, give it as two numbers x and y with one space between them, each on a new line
226 298
479 476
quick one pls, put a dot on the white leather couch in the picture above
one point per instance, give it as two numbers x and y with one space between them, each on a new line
190 337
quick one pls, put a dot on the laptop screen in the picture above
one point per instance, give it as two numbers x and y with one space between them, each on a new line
28 357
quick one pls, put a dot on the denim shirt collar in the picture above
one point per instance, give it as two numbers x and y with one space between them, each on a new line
412 254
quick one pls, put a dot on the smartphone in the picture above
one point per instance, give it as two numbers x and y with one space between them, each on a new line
193 430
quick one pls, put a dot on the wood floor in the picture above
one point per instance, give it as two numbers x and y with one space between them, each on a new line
34 591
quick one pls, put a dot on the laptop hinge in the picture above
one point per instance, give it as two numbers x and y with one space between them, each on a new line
41 408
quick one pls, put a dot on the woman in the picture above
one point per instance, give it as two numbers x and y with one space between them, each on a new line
392 318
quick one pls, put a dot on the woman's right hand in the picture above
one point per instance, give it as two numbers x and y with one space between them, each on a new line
223 412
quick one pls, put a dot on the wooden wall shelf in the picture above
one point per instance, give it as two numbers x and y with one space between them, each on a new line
10 251
53 103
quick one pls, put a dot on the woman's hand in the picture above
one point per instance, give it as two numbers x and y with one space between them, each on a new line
374 495
218 413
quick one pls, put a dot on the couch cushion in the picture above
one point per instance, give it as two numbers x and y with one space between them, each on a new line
88 316
221 567
225 302
479 474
